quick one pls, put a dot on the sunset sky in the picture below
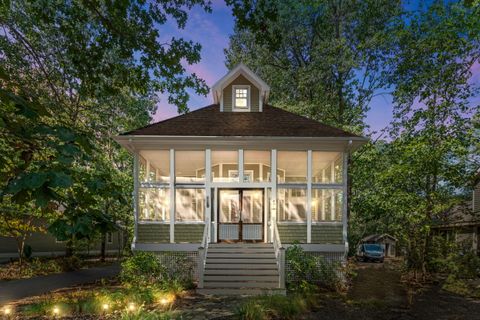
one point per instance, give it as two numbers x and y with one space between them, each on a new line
212 30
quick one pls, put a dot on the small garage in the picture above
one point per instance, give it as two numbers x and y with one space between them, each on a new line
388 242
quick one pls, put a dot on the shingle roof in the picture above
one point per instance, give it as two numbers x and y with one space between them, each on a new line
209 121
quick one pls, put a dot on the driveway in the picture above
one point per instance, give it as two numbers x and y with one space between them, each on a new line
18 289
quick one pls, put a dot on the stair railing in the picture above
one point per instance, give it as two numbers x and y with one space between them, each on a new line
202 254
279 255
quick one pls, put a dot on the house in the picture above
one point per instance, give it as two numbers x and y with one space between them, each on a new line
461 223
388 242
231 185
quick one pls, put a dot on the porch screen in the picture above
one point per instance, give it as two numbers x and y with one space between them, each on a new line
327 205
154 166
225 166
154 204
190 205
292 205
256 166
292 166
189 166
327 167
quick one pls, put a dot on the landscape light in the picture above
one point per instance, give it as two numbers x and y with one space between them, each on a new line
7 311
56 310
105 306
131 306
164 301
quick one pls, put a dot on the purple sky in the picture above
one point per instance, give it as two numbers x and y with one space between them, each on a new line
212 30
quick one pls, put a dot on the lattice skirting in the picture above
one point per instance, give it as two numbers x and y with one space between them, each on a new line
335 259
176 261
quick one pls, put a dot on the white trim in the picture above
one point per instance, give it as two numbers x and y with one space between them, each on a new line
309 196
135 194
345 199
249 105
172 196
240 166
208 188
166 246
273 195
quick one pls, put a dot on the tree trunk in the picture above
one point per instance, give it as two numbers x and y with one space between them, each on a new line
69 248
103 245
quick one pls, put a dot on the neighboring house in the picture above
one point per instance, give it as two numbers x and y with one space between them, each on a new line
231 184
45 245
462 222
388 242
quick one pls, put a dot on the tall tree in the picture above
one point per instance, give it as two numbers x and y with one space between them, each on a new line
323 59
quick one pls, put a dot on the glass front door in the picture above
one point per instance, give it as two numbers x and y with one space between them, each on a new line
240 215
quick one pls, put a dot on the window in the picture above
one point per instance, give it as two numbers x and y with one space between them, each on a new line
292 205
190 205
189 166
154 204
225 166
256 166
327 167
154 166
241 97
327 205
292 166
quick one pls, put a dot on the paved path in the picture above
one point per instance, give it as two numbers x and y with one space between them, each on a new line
19 289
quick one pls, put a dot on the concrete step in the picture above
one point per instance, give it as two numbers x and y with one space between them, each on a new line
271 265
237 261
235 255
234 272
244 291
239 284
241 278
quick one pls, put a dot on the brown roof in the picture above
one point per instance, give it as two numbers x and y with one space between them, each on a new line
209 121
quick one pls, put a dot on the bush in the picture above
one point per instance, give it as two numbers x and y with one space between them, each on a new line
144 269
71 263
306 271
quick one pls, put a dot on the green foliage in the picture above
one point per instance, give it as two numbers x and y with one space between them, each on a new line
323 59
32 268
145 269
276 307
306 271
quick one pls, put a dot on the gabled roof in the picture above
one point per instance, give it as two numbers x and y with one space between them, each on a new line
378 237
239 69
272 122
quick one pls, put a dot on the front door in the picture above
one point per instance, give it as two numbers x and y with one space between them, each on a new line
240 215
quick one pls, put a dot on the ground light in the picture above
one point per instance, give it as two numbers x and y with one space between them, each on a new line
7 311
105 307
131 306
56 311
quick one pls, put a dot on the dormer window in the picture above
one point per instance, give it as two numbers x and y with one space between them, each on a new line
241 97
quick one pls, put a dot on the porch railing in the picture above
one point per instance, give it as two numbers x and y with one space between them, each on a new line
280 255
202 253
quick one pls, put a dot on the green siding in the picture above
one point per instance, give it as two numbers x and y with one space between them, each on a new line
327 234
153 233
254 94
290 233
189 232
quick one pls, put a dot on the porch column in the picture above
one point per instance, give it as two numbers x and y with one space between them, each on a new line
345 199
208 191
273 199
309 196
172 196
240 166
135 195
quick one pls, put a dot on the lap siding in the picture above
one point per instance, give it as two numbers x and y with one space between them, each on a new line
325 234
153 233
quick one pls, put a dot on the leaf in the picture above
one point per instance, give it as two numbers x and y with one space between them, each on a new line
60 180
34 180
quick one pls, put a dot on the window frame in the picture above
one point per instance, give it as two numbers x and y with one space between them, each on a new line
241 86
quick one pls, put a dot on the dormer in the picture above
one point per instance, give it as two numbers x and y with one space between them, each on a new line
240 90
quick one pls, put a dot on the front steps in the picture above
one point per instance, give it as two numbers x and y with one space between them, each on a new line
241 269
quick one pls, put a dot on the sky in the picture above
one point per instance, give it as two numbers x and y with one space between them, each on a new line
212 31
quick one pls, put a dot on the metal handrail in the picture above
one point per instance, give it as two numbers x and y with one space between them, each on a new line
279 255
202 253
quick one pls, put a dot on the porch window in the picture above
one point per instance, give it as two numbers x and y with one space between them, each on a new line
154 204
292 205
256 166
154 166
189 166
292 166
190 205
241 97
327 205
327 167
225 166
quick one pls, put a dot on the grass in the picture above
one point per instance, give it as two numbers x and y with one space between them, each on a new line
276 306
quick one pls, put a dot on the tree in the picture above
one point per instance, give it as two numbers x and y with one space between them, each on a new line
323 59
72 74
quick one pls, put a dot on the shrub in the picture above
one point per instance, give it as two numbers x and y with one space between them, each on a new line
305 271
71 263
